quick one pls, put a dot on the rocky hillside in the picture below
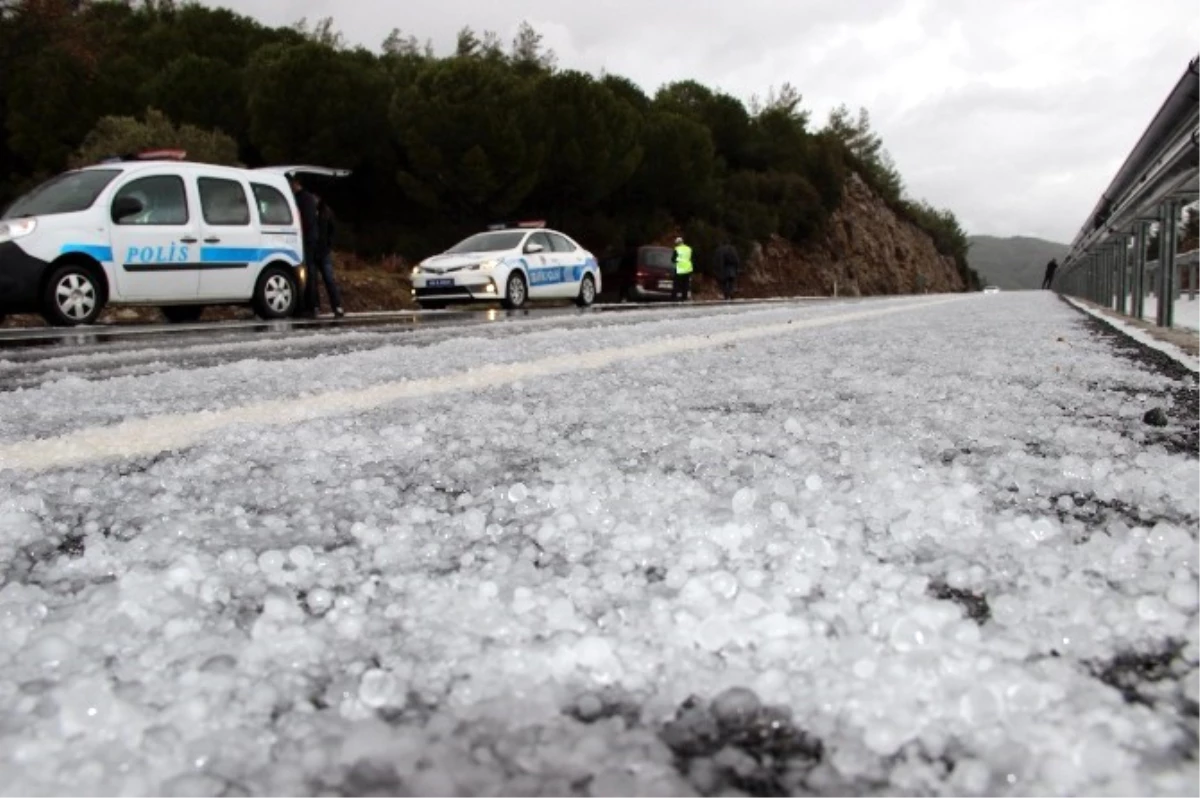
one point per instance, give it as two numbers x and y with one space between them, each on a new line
866 249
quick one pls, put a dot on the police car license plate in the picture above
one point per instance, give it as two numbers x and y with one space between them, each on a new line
443 283
666 285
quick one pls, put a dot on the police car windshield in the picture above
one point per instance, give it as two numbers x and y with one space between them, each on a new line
70 192
487 242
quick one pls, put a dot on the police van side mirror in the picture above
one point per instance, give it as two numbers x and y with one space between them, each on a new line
124 207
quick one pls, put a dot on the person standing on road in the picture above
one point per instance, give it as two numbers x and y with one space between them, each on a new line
682 259
727 263
310 234
324 254
1051 268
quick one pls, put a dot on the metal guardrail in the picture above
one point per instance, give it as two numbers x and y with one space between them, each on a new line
1107 260
1187 264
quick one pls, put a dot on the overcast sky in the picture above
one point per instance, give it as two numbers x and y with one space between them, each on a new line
1014 114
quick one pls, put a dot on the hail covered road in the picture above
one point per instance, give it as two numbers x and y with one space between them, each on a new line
935 545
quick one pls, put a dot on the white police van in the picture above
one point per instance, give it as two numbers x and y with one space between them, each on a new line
154 230
511 265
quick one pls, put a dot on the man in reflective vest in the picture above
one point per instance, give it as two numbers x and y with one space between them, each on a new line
682 287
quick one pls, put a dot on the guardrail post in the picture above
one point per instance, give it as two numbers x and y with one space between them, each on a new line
1122 282
1110 276
1140 229
1122 274
1168 273
1102 275
1102 265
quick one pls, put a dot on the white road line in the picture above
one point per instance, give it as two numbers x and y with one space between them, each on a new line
149 436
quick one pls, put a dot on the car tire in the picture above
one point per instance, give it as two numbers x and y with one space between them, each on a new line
587 291
277 293
182 314
516 292
73 295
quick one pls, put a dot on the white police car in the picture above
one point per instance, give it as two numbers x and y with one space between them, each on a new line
509 265
154 230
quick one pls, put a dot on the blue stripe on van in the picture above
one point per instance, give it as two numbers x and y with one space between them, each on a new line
102 254
207 254
243 254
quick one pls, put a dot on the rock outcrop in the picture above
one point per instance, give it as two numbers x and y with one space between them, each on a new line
865 249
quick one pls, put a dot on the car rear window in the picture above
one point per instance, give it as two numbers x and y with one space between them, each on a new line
656 257
272 207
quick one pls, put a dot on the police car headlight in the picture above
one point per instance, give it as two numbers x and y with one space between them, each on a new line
416 270
16 228
488 265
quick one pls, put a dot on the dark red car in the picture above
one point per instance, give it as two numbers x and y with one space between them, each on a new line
646 274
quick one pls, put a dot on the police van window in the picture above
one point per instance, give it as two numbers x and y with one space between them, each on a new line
560 243
272 207
68 193
162 198
223 201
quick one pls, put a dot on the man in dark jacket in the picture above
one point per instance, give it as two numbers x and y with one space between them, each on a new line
726 265
310 232
1051 268
317 226
325 227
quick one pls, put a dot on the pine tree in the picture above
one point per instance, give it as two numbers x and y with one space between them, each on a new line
527 49
468 44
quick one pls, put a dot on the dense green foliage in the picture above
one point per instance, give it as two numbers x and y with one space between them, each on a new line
439 146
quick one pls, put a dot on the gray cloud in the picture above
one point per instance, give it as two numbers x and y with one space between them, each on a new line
1014 115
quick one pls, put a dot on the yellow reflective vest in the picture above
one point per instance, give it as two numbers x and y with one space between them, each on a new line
683 259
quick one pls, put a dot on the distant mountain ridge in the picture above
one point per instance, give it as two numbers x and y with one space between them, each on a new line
1013 263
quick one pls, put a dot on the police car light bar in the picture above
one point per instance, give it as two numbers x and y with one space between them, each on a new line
148 155
521 225
161 155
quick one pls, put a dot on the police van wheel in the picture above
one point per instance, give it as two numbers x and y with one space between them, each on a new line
587 292
276 295
72 296
182 314
516 291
